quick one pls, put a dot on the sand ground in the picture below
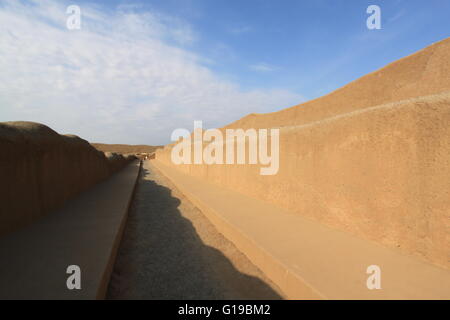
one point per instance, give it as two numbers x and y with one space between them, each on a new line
170 250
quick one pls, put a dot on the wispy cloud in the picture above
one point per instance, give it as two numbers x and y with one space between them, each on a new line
126 77
397 16
263 67
240 29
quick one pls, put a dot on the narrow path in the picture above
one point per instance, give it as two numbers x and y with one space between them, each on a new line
170 250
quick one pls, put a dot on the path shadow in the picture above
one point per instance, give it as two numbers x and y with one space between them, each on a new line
162 256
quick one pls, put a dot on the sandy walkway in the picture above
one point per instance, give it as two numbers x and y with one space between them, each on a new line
171 251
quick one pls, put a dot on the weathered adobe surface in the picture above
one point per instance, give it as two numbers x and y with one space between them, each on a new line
381 172
423 73
41 169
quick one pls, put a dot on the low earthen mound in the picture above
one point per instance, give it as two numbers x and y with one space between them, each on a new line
125 148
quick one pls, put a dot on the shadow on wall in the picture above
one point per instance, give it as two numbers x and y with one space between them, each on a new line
40 170
163 257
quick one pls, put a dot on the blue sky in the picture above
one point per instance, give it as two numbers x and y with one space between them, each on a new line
310 47
211 60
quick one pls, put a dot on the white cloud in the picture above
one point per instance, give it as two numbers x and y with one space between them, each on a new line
125 77
263 67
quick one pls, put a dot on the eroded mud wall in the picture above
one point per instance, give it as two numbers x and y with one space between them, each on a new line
381 173
423 73
41 169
